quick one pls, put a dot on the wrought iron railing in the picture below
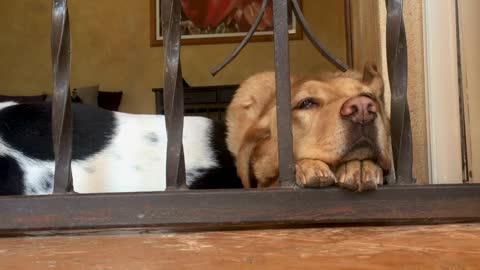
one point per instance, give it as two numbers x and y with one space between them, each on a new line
64 210
61 107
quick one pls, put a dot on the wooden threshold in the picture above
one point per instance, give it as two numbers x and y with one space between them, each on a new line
412 204
395 247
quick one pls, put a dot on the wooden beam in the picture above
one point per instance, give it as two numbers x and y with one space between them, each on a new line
224 208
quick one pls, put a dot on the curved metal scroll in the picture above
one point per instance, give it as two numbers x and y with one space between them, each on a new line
244 42
173 93
398 72
282 81
308 31
61 107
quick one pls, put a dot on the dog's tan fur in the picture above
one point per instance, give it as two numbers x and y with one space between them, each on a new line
323 141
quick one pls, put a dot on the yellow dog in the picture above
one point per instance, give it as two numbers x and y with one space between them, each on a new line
340 129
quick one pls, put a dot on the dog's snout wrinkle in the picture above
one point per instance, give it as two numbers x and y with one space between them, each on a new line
360 109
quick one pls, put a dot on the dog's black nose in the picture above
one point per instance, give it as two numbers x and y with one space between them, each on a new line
360 109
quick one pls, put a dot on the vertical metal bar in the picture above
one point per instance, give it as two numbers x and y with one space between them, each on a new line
61 107
282 82
461 95
398 72
305 26
173 93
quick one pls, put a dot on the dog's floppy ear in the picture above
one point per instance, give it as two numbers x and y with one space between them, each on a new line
372 78
370 71
253 136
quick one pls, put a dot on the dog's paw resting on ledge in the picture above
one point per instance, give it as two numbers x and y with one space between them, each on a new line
359 175
341 132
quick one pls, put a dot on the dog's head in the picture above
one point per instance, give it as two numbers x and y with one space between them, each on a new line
341 117
336 117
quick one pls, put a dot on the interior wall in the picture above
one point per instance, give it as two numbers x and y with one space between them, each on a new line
469 44
110 47
414 27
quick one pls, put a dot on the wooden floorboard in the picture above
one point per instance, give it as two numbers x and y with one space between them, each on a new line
390 247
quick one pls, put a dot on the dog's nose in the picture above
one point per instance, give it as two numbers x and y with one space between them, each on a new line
360 109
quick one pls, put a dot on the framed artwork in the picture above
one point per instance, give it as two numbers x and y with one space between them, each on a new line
220 21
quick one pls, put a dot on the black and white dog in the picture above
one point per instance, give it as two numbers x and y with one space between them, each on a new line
112 151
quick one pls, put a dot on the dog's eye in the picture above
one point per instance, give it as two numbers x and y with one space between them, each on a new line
307 104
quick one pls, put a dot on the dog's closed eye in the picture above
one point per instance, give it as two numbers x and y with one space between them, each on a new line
307 103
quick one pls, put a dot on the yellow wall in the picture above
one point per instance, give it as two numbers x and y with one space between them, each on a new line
413 15
470 42
110 45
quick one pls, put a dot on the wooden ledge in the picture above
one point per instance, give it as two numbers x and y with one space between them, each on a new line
402 247
223 208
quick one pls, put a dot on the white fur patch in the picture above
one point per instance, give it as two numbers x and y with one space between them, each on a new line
7 104
133 161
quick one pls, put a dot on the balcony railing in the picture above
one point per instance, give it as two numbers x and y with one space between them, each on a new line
178 207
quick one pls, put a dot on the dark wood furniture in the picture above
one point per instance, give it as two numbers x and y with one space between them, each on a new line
208 101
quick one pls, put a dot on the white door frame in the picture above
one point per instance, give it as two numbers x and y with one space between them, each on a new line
442 92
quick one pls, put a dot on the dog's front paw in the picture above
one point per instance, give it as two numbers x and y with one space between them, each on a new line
313 173
359 175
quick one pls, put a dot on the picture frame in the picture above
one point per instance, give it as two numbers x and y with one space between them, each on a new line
225 23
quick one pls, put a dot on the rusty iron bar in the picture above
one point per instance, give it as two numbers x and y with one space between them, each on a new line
244 42
425 204
286 161
315 40
398 73
173 93
61 104
463 128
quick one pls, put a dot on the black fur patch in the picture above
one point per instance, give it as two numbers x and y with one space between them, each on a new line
225 176
47 181
27 128
152 137
11 177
